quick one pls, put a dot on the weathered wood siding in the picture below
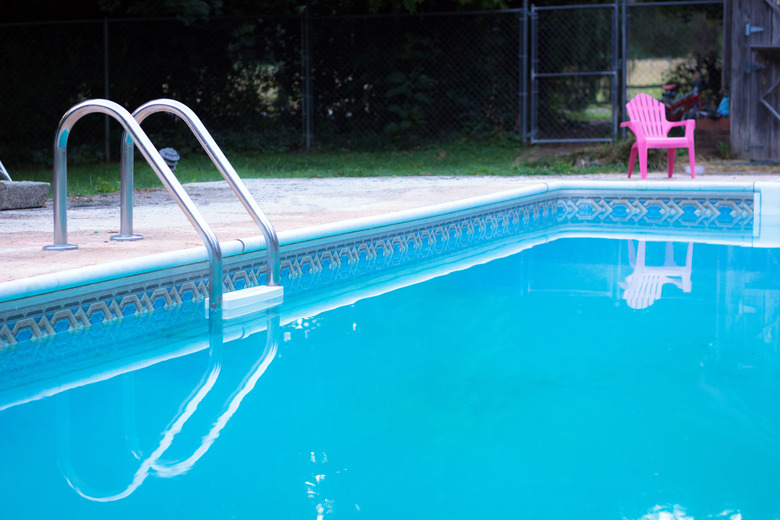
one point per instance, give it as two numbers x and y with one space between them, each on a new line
755 78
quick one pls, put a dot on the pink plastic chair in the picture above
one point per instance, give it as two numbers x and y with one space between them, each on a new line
648 122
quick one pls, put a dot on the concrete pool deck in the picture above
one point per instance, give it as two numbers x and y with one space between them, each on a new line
289 204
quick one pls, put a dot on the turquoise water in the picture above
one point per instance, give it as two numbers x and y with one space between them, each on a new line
525 387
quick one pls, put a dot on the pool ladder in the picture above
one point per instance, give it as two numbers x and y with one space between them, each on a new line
235 303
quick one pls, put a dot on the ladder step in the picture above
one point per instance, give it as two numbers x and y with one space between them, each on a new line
247 301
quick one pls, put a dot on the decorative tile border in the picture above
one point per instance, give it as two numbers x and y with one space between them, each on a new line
672 211
88 345
321 265
106 303
325 263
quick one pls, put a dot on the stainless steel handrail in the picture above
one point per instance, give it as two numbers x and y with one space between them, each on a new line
3 173
152 156
220 161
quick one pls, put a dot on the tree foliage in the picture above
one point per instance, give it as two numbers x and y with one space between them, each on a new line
190 11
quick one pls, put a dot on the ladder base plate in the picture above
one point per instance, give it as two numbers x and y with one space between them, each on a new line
240 303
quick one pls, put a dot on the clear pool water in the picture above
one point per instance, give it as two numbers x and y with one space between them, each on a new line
526 387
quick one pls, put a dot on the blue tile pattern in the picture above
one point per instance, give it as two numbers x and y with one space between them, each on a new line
673 212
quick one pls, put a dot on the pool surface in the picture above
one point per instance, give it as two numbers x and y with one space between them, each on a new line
524 386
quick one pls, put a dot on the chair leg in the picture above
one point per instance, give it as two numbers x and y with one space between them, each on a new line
692 161
643 161
631 253
631 160
670 154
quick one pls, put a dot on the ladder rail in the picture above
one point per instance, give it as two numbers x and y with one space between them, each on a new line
164 173
220 161
3 173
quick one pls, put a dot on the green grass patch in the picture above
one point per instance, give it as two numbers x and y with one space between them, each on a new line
593 113
504 157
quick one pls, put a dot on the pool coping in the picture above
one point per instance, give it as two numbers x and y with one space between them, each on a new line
767 200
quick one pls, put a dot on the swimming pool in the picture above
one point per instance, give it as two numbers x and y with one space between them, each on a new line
537 390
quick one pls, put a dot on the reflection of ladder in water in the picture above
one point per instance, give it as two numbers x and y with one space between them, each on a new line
153 463
235 303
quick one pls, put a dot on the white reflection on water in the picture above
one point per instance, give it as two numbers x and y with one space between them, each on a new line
677 512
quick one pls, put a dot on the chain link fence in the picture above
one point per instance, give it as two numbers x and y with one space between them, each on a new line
281 83
241 76
388 80
40 83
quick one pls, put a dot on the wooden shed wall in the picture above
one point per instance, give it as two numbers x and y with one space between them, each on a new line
754 89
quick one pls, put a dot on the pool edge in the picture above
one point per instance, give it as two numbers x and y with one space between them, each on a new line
767 194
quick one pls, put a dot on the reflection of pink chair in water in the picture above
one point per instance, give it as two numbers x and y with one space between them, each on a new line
643 287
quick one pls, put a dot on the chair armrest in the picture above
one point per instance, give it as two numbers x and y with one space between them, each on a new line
635 127
689 124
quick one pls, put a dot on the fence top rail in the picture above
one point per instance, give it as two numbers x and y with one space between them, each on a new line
572 7
518 10
671 3
144 19
575 74
51 22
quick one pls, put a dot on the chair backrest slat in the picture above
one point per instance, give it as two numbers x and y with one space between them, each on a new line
649 113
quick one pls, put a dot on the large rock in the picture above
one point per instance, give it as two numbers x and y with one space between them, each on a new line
23 194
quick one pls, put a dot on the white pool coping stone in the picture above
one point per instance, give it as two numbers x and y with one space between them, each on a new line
767 234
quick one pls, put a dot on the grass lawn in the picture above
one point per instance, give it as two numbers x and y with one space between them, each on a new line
460 158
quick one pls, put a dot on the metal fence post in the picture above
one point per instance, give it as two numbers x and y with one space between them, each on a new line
307 94
105 86
524 73
617 67
533 82
623 64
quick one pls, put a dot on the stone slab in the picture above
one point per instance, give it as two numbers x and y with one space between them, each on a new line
23 194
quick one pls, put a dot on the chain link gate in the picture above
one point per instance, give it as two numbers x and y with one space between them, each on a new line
574 73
